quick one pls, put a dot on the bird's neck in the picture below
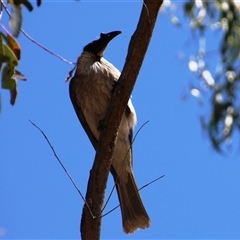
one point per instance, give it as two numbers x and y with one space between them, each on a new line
88 63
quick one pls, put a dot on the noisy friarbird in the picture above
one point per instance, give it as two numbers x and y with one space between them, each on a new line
90 92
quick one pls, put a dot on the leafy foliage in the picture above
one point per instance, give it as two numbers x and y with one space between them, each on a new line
221 87
10 51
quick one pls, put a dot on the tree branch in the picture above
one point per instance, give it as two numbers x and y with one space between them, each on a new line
90 227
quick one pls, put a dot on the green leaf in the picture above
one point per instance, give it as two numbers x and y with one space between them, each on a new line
13 44
6 55
9 55
16 19
8 82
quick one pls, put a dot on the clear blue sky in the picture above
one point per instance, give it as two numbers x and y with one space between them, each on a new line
199 197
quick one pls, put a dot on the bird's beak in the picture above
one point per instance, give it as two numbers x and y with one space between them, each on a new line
105 38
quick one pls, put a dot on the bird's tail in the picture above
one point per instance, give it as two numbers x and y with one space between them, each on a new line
134 215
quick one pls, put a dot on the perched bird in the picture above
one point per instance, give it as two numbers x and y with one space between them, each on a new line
90 91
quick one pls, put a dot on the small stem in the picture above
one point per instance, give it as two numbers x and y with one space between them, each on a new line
34 41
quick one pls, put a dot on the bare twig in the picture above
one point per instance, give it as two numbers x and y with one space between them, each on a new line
151 182
138 131
46 49
34 41
70 74
63 167
105 214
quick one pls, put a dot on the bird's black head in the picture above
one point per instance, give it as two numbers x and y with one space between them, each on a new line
97 47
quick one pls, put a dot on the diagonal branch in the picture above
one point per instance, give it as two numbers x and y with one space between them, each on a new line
90 228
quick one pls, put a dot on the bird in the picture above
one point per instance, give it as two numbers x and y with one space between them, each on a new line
90 91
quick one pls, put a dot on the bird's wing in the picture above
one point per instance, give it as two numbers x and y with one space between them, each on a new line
73 96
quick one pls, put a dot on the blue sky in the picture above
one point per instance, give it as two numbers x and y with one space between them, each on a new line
198 197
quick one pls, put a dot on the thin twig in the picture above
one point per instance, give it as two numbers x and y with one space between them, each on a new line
138 131
105 214
70 74
63 167
44 48
34 41
109 197
151 182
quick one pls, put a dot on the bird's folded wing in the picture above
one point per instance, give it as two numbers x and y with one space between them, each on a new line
72 92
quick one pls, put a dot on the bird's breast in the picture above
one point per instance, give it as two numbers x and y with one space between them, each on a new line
96 80
95 96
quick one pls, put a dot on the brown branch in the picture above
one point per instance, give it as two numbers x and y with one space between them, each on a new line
90 227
